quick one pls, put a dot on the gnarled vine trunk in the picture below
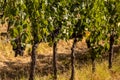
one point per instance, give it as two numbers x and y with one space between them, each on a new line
33 62
111 51
73 59
92 55
54 61
93 64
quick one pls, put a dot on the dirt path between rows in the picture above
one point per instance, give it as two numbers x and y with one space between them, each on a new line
10 68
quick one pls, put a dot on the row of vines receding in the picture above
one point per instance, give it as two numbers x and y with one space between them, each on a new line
36 21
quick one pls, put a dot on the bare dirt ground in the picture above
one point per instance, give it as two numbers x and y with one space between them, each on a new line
14 67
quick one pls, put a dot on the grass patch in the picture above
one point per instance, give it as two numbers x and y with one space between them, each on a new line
85 73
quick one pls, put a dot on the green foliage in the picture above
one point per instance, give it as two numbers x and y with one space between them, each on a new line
18 22
35 10
96 25
113 20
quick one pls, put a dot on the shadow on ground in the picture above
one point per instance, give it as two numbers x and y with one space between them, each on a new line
16 69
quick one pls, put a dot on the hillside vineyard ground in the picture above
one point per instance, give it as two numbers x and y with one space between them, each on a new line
59 39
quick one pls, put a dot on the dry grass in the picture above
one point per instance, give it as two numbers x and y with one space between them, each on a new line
85 73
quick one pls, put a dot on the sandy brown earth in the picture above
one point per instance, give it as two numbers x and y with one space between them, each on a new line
12 67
